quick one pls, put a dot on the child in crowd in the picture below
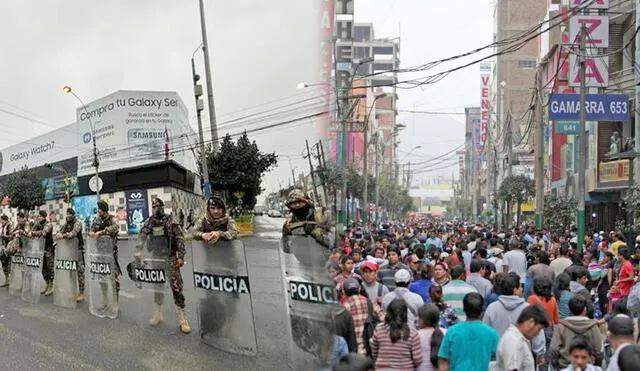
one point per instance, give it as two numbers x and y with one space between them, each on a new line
581 355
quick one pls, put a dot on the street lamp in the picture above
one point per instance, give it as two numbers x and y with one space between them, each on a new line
67 89
365 197
410 152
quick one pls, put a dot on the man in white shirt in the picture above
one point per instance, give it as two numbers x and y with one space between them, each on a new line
620 335
559 264
514 349
515 260
414 301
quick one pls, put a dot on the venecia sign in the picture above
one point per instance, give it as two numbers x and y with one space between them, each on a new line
591 4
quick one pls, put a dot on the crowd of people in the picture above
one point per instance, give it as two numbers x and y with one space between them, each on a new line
436 295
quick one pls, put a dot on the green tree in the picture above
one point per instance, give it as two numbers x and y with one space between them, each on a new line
239 167
559 212
25 189
516 189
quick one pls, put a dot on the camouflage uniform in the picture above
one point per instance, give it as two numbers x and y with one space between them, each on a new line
5 259
311 220
107 226
226 226
173 232
69 231
45 229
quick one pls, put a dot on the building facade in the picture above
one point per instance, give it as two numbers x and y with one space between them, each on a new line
144 147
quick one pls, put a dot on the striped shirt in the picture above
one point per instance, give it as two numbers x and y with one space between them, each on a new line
386 275
401 355
453 293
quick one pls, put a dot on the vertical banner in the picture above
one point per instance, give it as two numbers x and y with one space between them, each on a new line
137 210
485 80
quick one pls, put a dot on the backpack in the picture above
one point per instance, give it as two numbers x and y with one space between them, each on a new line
369 328
633 300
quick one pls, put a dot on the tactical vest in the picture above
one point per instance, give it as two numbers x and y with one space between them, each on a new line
48 238
68 227
221 224
165 223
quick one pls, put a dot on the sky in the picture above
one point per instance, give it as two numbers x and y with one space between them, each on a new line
260 52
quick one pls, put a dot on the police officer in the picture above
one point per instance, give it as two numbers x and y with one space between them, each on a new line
162 224
215 224
73 228
42 228
5 258
305 216
105 225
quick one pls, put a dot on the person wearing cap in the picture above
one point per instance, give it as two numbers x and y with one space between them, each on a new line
375 290
360 310
215 224
161 224
44 229
105 225
387 272
73 228
620 336
414 301
305 216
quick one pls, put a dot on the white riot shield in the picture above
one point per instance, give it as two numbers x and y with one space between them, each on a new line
33 281
152 277
101 273
65 282
223 296
310 296
17 270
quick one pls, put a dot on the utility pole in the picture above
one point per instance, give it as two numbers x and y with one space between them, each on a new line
197 93
377 179
408 174
324 167
207 69
539 150
311 172
582 140
365 172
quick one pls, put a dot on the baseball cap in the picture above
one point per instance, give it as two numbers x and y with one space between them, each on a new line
351 285
621 325
402 275
369 265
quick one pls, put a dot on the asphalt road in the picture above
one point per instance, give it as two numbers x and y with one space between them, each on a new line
45 337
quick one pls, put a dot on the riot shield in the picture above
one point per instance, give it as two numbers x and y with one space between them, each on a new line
154 301
65 281
223 296
17 270
33 281
310 297
101 276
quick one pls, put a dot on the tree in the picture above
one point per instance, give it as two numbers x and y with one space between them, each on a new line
516 189
632 206
25 189
559 212
238 168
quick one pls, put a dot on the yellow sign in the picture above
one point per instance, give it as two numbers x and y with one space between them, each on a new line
614 171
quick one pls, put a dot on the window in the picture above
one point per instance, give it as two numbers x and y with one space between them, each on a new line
361 33
526 64
362 52
383 66
386 50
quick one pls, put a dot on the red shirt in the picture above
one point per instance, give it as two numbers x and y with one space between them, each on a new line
625 272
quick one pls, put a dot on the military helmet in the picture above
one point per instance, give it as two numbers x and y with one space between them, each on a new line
216 201
297 195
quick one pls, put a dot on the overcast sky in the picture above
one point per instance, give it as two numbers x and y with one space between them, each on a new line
260 51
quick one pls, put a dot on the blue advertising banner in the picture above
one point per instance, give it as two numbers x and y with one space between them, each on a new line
598 107
85 207
137 210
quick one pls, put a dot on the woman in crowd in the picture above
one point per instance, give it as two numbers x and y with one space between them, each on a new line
396 345
448 315
543 295
563 294
440 274
431 335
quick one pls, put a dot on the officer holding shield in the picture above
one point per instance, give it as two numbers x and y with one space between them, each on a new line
73 228
161 224
105 225
44 229
215 224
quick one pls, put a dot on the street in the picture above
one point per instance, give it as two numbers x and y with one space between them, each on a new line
46 337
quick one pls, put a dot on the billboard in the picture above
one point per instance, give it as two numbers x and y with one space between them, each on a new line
51 147
131 129
485 78
137 210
